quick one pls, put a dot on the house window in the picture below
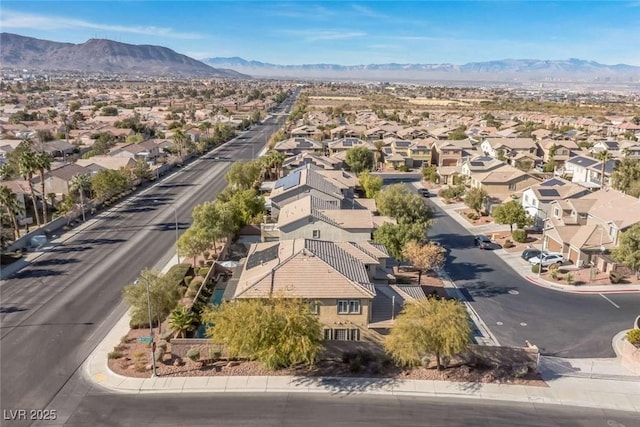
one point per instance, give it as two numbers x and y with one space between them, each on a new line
314 306
612 232
316 234
349 306
340 334
556 212
512 187
327 334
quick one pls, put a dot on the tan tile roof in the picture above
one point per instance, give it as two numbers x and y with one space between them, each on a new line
107 162
303 268
512 143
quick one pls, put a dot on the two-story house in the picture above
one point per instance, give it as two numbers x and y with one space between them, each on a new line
298 145
587 172
586 228
57 180
314 218
536 199
501 182
508 147
308 180
302 159
558 150
345 144
339 279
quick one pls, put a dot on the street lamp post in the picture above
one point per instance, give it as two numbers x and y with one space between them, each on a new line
153 346
175 214
544 229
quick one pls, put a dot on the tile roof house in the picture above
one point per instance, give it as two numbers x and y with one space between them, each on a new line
587 171
536 199
340 279
502 181
508 146
313 218
586 228
345 144
107 162
304 158
561 149
57 180
308 180
298 145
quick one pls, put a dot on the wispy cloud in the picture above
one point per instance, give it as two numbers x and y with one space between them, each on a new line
289 10
363 10
11 19
321 35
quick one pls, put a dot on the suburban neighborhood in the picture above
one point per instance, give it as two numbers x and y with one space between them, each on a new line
326 245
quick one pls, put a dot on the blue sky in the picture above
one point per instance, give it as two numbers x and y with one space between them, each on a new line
343 32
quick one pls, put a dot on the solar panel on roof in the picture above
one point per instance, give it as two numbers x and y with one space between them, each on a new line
347 143
552 183
548 192
290 180
477 164
260 257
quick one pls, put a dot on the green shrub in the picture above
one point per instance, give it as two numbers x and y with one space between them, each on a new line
187 280
166 336
553 272
569 278
535 268
191 293
203 272
633 336
472 216
201 262
193 353
195 283
115 355
508 244
206 254
177 273
519 235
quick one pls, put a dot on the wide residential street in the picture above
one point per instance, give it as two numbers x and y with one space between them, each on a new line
515 310
303 409
57 309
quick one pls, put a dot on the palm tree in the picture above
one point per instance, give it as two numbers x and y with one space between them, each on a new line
180 140
26 169
80 184
181 320
604 156
379 144
42 162
9 201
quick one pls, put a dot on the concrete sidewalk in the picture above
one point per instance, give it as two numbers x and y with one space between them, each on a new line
520 266
618 390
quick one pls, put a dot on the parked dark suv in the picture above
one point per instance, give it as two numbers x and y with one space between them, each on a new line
483 242
424 192
529 253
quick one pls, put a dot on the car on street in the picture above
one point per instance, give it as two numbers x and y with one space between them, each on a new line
547 259
529 253
484 242
424 192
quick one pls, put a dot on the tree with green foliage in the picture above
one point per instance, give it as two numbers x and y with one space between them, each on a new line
244 175
604 156
359 159
405 206
109 111
247 205
12 207
279 332
80 184
370 184
216 220
107 183
458 134
430 173
164 296
474 199
511 213
181 321
141 170
432 326
42 163
192 243
628 250
626 176
27 167
395 237
271 164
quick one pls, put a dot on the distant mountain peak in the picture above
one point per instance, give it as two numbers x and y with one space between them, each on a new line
102 55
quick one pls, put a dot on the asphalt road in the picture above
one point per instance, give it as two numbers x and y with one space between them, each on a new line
57 309
515 310
302 409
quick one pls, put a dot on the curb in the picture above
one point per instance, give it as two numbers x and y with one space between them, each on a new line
562 288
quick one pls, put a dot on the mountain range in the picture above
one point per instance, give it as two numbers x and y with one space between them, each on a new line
505 69
108 56
101 56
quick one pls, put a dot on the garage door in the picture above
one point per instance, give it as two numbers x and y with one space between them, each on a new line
553 246
573 256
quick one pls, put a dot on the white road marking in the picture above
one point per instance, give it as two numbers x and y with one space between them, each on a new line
614 304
